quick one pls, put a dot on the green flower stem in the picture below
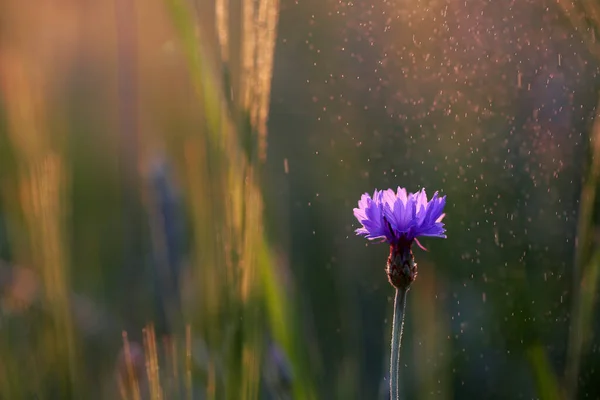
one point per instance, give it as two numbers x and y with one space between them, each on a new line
397 327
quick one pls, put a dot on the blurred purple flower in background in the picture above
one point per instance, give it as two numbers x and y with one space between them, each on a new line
399 216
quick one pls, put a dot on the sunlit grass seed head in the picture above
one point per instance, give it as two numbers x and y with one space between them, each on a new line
400 218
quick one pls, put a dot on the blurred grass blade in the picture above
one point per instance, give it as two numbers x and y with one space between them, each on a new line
43 187
546 382
584 272
204 80
283 324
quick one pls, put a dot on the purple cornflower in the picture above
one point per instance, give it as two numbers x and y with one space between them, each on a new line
400 218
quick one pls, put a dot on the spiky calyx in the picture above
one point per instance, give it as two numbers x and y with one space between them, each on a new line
401 266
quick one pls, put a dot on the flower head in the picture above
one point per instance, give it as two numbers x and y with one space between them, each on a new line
400 216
